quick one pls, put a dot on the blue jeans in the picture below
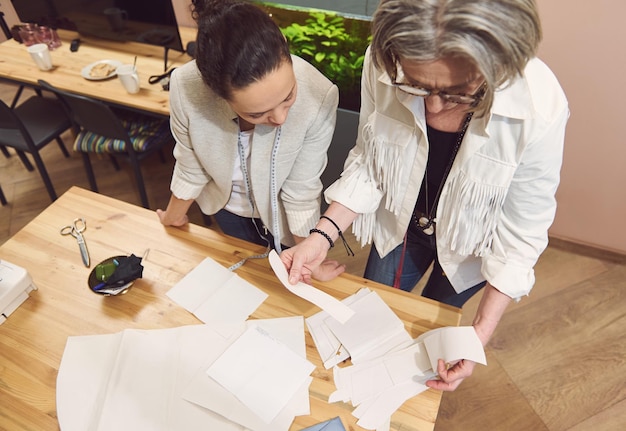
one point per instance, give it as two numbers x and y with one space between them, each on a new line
420 252
248 229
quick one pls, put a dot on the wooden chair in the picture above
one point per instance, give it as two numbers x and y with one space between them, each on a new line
30 126
102 130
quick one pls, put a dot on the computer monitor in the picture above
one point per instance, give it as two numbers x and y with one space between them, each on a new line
151 22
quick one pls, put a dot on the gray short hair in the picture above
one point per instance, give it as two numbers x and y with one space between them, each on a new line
497 36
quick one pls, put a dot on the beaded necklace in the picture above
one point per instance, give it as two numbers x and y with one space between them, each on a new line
426 222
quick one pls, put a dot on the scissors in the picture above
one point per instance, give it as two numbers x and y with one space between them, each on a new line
76 229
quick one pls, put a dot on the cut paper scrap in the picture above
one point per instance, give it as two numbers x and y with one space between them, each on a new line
326 302
214 294
373 415
263 373
377 388
357 383
328 345
453 343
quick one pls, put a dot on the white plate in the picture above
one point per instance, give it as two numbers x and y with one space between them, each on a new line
85 72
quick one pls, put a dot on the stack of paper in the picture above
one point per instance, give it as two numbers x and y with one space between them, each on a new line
166 379
379 387
388 366
373 331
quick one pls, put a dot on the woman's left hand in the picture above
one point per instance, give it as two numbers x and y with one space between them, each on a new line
451 378
328 270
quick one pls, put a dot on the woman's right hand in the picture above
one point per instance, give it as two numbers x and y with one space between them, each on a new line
304 258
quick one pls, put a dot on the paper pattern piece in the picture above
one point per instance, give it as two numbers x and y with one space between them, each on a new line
379 387
264 380
331 351
207 393
214 294
452 344
93 370
326 302
373 331
135 379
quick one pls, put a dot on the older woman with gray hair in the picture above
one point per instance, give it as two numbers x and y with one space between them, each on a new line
457 159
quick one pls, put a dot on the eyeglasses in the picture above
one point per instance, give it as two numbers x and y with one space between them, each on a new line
461 98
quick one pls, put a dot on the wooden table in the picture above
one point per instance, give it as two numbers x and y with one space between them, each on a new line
17 66
34 336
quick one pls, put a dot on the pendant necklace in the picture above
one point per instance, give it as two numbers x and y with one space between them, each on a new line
426 222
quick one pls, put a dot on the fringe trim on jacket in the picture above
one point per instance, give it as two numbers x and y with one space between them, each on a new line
470 215
383 160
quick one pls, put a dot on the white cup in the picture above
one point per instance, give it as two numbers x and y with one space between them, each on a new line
41 55
128 75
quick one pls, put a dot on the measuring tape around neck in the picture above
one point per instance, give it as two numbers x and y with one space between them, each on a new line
273 197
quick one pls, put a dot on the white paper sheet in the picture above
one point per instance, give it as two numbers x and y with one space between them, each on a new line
326 302
380 386
106 382
360 382
98 372
328 345
206 392
373 415
373 331
82 379
264 381
453 343
214 294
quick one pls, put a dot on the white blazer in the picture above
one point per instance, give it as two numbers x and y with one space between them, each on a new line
206 147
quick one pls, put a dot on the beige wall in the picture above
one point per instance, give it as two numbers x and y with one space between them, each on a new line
584 45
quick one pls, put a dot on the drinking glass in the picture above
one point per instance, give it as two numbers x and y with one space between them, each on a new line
29 33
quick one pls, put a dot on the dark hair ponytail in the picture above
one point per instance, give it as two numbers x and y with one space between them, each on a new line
237 44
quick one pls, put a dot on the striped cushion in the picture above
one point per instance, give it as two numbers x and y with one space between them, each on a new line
144 131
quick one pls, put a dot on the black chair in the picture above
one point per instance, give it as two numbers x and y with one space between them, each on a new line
3 199
8 35
30 126
102 130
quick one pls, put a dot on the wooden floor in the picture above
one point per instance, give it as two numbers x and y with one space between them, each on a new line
556 362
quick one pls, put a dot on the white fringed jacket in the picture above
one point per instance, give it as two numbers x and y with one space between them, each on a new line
498 200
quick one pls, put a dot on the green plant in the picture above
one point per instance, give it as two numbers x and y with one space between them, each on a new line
332 42
324 41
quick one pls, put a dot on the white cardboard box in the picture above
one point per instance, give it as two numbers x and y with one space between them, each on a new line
15 285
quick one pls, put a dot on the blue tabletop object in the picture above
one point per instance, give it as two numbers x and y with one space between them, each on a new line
331 425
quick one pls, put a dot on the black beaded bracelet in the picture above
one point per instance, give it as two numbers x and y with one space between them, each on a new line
325 235
343 239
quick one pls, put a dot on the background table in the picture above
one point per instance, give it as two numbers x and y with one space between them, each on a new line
34 336
17 66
